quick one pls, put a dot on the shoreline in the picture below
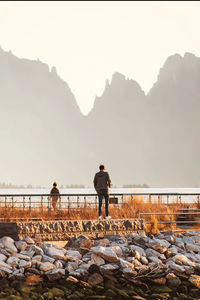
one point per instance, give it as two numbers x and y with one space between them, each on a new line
122 266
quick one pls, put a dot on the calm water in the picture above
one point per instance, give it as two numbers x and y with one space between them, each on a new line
92 191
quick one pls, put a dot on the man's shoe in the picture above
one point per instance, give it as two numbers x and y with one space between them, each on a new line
108 217
100 217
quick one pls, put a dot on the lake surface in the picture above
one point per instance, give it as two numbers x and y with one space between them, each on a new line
92 190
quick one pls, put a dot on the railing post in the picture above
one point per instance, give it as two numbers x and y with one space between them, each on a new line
84 201
171 223
167 200
95 201
5 202
12 203
23 203
29 205
179 199
132 202
60 203
49 205
68 202
149 198
77 201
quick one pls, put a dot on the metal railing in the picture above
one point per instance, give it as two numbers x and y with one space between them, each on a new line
181 223
77 200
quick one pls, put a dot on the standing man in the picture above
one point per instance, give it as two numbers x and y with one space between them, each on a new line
101 184
54 199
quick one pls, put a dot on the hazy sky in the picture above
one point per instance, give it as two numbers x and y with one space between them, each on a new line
88 41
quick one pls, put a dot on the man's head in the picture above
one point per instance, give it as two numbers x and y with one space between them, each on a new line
101 167
55 184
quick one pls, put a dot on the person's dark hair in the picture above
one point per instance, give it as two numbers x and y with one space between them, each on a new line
54 184
101 167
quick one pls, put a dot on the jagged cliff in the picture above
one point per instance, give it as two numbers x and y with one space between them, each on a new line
142 138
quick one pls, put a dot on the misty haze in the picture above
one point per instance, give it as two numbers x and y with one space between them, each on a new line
148 139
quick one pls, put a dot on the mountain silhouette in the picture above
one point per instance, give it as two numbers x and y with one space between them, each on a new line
141 138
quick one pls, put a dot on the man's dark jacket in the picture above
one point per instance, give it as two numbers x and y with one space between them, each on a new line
102 181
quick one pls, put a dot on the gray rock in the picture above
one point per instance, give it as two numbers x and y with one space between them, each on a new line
3 257
192 247
55 274
179 243
125 264
117 250
177 268
182 259
144 260
95 279
8 244
58 264
78 273
136 263
33 271
193 257
5 265
138 249
46 258
106 253
37 257
55 253
46 266
171 251
109 267
158 244
24 264
5 270
152 252
154 259
189 270
22 256
195 280
170 239
4 252
71 266
29 253
76 242
21 245
143 270
72 255
141 240
196 239
97 260
29 240
37 250
13 261
187 240
174 282
136 254
85 266
129 272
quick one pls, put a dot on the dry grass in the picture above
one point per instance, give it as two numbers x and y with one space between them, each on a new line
130 208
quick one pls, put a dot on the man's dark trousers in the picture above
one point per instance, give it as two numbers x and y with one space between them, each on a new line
103 194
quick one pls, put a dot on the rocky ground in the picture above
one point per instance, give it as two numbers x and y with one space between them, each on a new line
130 266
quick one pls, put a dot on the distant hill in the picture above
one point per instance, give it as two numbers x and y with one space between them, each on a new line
149 138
